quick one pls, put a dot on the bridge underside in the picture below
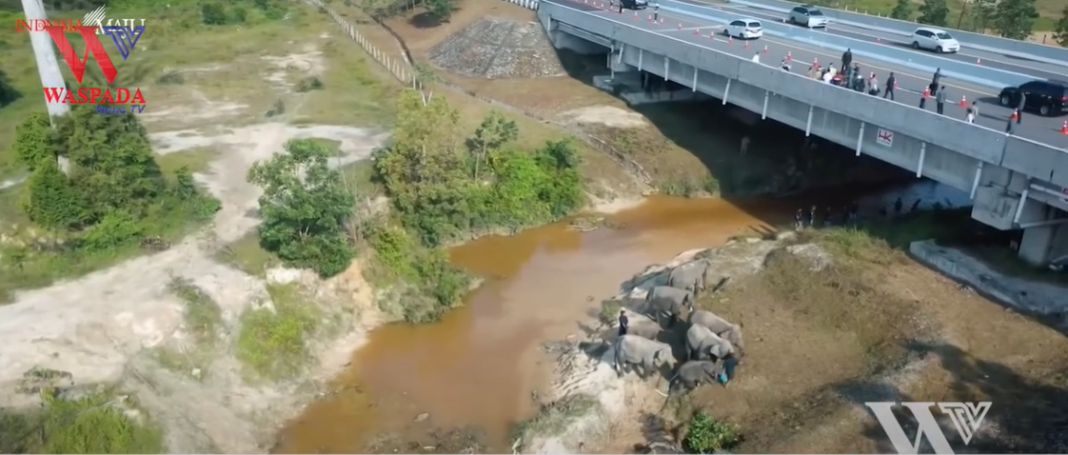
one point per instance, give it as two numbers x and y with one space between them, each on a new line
1001 198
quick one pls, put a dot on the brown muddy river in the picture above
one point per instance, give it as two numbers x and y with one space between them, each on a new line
479 365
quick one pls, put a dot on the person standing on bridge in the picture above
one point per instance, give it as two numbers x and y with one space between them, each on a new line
656 12
1020 107
935 82
973 111
891 82
940 100
873 85
847 58
785 65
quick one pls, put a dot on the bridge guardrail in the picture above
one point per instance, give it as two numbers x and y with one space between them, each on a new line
1041 161
1022 49
988 77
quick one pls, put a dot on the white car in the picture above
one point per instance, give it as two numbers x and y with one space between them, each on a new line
745 29
809 16
934 39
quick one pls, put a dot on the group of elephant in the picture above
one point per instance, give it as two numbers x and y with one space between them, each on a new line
714 346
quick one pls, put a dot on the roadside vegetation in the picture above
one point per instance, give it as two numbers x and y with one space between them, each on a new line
1015 19
705 434
103 421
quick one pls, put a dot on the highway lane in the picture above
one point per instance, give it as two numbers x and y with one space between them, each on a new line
910 84
989 59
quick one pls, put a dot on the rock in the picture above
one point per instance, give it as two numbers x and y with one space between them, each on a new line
282 275
815 255
422 417
785 235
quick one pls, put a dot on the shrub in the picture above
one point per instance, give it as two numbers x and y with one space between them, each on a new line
273 344
213 13
52 202
708 435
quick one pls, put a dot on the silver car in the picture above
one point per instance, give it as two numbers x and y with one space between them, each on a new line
809 16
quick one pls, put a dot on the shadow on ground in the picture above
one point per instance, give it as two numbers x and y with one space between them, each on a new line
1025 416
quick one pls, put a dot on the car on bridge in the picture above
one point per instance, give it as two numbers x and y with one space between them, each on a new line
1048 97
809 16
747 28
634 4
934 39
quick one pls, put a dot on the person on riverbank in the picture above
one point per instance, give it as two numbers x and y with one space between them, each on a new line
624 322
812 217
898 205
854 211
799 219
891 82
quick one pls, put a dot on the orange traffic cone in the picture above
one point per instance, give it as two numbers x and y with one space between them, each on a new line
680 25
963 102
1015 115
747 45
765 48
1064 127
927 92
661 21
730 39
635 15
978 61
789 56
696 32
712 35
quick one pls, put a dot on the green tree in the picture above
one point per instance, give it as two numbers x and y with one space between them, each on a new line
1015 18
52 201
983 14
8 93
33 141
494 132
440 9
111 160
1060 31
933 12
424 168
213 13
902 10
304 207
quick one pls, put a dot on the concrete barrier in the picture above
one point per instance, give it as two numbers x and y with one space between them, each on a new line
1022 49
976 74
1041 161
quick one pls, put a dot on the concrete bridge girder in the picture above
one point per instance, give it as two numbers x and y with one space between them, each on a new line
1002 198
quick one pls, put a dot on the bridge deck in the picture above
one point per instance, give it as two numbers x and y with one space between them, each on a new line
910 84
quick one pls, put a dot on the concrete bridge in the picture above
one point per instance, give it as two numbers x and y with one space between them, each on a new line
1014 182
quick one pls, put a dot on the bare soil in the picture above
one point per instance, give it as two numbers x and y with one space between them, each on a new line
826 332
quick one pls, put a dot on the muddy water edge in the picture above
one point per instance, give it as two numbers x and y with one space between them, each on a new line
480 366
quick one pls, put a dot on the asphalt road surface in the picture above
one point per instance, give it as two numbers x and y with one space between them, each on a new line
989 59
773 50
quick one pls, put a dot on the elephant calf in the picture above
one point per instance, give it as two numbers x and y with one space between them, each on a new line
725 329
635 350
696 372
691 276
668 300
702 344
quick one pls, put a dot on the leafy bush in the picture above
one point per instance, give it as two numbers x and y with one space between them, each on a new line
304 206
8 93
274 344
53 202
32 141
93 424
213 13
708 435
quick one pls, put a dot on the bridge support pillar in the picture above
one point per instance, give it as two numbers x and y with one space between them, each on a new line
1041 244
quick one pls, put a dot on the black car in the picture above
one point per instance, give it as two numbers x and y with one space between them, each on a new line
635 4
1048 98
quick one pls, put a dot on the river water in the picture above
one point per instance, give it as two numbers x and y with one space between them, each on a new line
478 365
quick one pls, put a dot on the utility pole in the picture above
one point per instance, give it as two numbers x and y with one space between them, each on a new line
47 66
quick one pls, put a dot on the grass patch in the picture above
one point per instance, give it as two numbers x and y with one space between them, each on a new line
554 418
203 322
706 434
96 423
274 344
247 255
197 160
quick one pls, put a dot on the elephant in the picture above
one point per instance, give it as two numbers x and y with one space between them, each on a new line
666 299
722 327
702 344
633 349
695 372
691 276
